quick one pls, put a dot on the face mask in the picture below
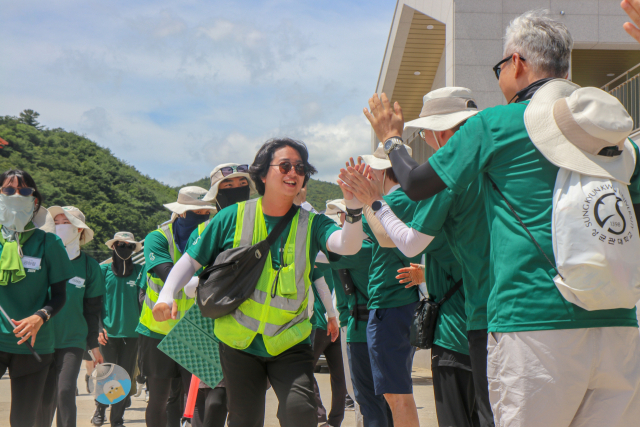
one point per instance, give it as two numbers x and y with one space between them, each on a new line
183 227
70 236
229 196
123 252
16 212
122 265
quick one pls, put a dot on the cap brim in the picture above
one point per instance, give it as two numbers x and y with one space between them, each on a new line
375 162
441 122
213 191
179 208
87 233
555 147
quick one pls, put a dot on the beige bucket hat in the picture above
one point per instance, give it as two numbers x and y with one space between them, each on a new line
124 236
444 109
44 221
379 159
334 208
190 199
76 218
217 176
571 126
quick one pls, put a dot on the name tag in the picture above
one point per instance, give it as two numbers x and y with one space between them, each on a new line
31 262
78 281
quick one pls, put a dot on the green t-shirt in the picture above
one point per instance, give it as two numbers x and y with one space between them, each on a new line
121 308
358 266
218 237
462 219
319 318
22 299
156 252
495 144
385 291
70 327
442 271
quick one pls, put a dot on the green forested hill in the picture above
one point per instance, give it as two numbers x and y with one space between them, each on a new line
71 170
318 192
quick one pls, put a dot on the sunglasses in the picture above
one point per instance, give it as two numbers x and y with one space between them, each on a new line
24 191
228 170
126 245
285 167
497 69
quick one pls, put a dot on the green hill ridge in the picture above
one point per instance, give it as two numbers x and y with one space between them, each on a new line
71 170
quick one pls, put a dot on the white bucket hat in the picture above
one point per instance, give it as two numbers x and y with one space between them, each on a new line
76 218
124 236
190 199
379 159
217 177
571 125
334 208
444 109
44 221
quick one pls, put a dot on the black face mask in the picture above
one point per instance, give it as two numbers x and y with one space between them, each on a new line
122 265
229 196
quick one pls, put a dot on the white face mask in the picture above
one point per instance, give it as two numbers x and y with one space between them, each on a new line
16 211
70 237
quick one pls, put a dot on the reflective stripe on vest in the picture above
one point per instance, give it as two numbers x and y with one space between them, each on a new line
282 319
154 286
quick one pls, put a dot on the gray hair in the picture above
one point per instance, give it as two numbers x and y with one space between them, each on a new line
544 43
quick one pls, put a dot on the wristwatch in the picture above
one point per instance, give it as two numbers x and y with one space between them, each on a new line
391 144
377 205
46 314
353 215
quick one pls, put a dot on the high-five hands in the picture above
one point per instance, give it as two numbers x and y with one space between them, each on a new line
632 8
386 121
361 182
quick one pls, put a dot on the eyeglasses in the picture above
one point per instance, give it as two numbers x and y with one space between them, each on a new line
228 170
285 167
497 69
423 134
24 191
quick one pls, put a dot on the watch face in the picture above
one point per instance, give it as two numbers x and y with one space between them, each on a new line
388 145
376 205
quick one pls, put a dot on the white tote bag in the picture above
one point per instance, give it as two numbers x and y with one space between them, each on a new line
595 242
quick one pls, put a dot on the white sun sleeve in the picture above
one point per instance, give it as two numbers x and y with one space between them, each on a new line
325 296
180 275
409 241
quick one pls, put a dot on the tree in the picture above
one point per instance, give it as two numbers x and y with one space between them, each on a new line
29 117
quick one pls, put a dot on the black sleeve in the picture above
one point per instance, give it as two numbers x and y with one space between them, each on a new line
91 312
141 296
163 270
419 182
58 297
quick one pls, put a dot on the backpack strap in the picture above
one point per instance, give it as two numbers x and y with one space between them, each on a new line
495 187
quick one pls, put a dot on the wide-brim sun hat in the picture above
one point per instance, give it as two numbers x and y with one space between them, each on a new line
217 177
444 109
571 125
379 159
76 218
190 199
44 221
124 236
335 207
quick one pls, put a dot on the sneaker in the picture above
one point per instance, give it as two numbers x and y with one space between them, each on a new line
349 405
98 415
139 390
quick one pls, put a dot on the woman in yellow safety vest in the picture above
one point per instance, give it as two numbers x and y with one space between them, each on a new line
162 249
267 337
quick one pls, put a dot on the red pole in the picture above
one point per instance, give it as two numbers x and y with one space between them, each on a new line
191 399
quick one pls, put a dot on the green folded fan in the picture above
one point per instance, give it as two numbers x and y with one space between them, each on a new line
191 343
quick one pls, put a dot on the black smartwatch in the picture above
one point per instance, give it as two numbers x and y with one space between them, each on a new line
377 205
353 215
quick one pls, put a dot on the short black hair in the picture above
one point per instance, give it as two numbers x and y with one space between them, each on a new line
261 164
24 179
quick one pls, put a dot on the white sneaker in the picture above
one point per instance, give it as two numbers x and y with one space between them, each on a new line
146 395
138 390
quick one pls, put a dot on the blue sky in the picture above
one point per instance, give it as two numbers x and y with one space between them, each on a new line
177 87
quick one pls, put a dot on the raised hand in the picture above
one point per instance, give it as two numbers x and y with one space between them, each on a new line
385 121
360 185
632 8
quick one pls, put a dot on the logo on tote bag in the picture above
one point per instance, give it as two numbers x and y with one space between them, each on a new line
607 212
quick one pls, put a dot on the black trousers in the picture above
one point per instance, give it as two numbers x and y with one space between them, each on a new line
333 353
453 388
122 352
60 389
211 408
290 374
27 377
478 354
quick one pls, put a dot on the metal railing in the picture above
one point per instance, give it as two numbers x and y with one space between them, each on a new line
627 92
